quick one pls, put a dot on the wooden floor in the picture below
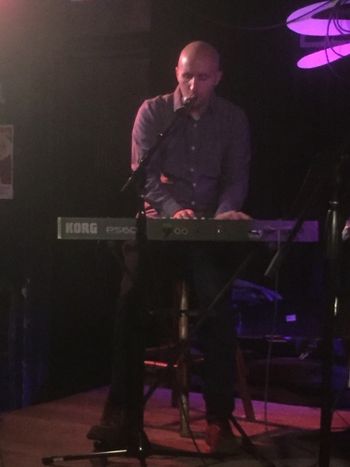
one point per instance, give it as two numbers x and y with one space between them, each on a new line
288 438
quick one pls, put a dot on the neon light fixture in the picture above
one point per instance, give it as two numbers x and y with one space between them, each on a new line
303 22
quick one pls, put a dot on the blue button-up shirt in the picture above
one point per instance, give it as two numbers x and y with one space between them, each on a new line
201 164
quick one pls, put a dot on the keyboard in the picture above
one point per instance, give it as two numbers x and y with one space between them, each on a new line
109 228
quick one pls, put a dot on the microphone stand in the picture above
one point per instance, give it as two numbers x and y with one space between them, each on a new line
332 250
332 255
137 179
137 176
283 249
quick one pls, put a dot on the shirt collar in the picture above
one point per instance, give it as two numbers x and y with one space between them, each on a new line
177 99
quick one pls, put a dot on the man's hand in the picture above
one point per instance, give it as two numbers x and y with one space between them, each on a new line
345 235
184 214
232 216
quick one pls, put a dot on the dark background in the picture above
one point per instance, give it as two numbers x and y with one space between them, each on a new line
73 74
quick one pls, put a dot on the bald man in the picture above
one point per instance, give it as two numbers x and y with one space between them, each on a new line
199 170
205 172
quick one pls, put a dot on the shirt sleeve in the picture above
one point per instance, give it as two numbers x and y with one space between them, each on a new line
235 166
147 127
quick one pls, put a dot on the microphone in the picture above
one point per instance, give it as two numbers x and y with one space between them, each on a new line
188 101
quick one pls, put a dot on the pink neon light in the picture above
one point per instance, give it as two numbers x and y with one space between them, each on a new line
307 25
322 57
303 21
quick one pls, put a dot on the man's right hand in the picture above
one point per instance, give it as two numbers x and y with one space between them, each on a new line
232 216
184 214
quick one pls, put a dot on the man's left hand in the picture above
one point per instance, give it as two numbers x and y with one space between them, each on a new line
232 216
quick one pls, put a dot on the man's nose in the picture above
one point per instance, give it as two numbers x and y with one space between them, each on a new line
193 84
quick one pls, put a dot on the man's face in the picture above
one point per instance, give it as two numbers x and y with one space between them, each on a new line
197 78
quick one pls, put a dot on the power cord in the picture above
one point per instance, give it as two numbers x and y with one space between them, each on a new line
282 24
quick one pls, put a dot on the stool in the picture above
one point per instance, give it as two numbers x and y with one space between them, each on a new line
181 367
182 371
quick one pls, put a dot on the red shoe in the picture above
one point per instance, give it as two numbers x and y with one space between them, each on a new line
220 439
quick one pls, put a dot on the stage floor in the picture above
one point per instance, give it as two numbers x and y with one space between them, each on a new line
286 435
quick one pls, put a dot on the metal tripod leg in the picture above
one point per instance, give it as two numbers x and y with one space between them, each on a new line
183 362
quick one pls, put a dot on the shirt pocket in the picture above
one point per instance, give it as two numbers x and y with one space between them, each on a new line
174 161
209 158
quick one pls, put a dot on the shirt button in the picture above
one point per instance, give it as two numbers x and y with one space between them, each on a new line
194 184
193 203
195 125
191 169
193 148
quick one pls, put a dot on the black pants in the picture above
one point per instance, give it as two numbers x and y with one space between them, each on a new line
146 284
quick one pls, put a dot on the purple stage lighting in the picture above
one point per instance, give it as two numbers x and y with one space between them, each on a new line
304 22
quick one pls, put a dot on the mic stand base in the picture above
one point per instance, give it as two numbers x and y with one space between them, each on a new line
141 452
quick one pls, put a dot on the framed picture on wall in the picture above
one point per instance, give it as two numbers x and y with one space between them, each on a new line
6 161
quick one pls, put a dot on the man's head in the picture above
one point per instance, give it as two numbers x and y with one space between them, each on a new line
198 72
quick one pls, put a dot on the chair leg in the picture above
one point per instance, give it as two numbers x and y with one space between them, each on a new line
183 362
183 397
243 385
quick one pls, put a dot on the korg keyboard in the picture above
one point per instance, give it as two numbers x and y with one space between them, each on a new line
99 228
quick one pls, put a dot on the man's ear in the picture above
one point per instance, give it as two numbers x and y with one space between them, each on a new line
177 73
218 77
